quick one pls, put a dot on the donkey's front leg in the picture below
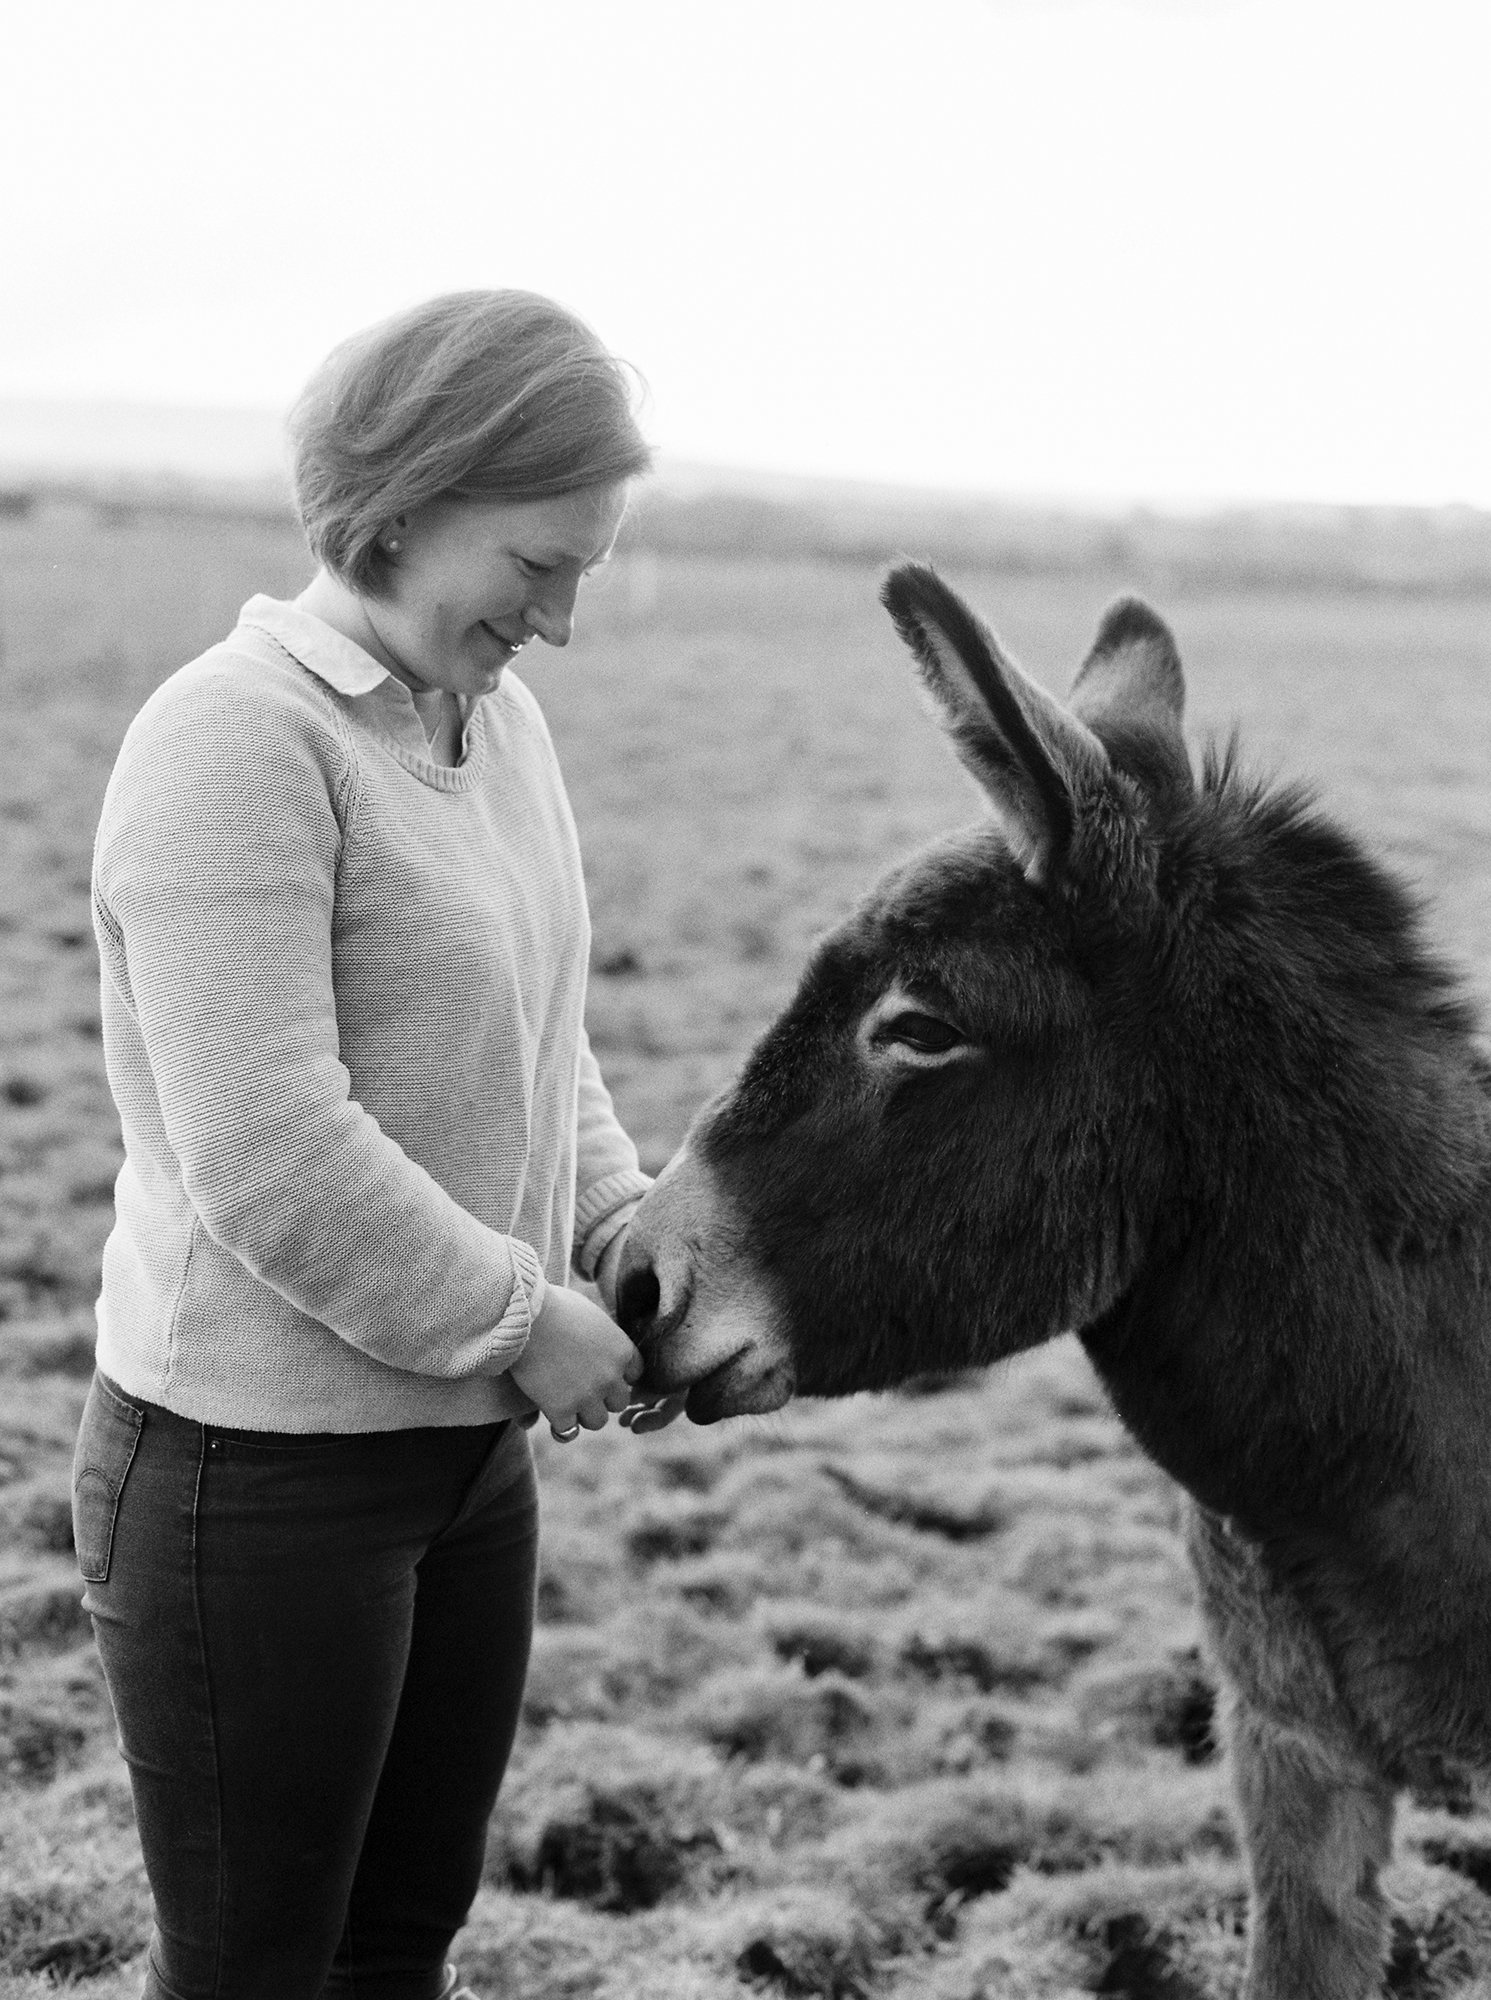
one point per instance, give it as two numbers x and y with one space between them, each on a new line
1318 1828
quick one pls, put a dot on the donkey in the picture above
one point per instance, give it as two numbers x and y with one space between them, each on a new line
1166 1062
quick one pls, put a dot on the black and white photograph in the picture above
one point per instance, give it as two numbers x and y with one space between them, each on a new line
745 1000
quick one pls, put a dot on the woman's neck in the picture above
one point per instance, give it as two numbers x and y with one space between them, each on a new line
342 609
328 599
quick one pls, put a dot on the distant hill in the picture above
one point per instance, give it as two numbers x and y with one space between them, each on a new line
143 456
148 441
1446 549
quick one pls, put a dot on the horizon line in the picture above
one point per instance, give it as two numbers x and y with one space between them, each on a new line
193 457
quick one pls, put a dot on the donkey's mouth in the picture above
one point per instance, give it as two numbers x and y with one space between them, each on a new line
706 1325
722 1352
746 1385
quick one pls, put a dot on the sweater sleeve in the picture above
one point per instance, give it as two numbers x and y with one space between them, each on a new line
215 875
609 1182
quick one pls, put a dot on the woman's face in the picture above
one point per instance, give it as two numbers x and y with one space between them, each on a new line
473 581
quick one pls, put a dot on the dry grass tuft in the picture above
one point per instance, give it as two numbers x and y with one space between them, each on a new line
821 1640
806 1943
72 1907
960 1517
609 1818
42 1611
51 1713
671 1526
1170 1702
977 1648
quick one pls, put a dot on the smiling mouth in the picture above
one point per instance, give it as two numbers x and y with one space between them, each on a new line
509 646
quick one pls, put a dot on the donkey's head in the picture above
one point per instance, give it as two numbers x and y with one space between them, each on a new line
950 1146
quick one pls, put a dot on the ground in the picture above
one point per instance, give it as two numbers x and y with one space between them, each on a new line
896 1696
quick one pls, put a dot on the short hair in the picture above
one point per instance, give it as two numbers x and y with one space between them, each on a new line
482 395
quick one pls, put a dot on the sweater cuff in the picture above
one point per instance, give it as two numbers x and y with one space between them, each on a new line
601 1214
526 1302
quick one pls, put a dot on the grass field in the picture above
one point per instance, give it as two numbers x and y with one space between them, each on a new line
896 1696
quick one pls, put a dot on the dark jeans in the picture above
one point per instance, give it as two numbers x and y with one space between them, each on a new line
315 1647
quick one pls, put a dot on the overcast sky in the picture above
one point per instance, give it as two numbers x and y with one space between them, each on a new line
1155 249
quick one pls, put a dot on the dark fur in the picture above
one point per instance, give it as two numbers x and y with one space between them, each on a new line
1226 1116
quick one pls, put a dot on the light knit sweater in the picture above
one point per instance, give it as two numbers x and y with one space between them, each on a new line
343 995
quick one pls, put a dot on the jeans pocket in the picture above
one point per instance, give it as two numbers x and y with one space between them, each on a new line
106 1446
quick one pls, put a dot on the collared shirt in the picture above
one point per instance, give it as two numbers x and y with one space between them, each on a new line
390 706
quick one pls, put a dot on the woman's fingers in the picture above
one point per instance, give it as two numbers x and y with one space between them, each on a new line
595 1411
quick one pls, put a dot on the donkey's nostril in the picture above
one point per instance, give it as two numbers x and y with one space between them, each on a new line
637 1299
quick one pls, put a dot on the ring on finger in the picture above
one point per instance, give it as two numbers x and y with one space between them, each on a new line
567 1435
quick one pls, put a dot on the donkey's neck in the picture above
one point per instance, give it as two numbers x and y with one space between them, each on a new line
1313 1342
1341 1429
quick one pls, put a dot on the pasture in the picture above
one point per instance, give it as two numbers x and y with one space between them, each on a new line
898 1696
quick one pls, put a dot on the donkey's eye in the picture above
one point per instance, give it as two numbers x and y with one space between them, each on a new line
923 1032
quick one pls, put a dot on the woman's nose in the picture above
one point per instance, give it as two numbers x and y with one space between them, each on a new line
552 616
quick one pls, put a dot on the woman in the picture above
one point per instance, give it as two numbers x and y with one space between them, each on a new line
344 939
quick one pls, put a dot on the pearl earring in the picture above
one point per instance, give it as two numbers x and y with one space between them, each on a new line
393 546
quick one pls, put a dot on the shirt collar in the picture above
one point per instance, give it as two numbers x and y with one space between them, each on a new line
329 654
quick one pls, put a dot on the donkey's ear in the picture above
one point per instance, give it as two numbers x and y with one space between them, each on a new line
1132 693
1031 755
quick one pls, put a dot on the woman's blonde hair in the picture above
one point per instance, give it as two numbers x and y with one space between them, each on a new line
499 395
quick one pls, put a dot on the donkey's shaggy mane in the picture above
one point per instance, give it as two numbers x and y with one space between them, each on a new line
1376 926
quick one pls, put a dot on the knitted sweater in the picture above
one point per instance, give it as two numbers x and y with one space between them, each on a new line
343 993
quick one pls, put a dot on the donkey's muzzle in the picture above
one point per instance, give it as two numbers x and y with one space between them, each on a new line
650 1305
638 1296
695 1307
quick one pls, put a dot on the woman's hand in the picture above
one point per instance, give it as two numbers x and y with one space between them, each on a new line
578 1365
